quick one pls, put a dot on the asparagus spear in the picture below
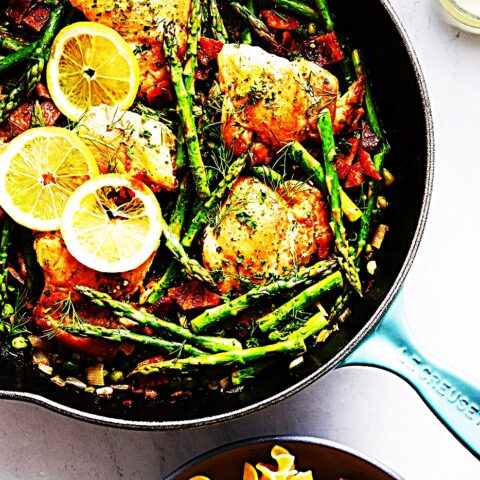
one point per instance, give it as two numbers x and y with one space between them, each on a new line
160 288
121 335
326 18
322 7
216 315
201 217
4 246
180 160
258 26
297 8
378 159
18 57
182 206
170 45
122 309
12 99
239 357
331 178
39 52
42 51
193 268
313 325
371 111
218 27
11 44
246 33
300 301
157 290
194 32
339 305
238 377
267 175
314 168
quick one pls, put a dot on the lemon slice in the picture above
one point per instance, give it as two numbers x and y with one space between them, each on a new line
91 64
112 223
39 170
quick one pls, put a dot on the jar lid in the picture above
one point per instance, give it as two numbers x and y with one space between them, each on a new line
467 12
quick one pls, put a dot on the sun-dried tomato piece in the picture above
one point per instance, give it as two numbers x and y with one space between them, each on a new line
21 118
345 158
192 295
42 91
37 18
17 9
161 307
355 176
370 141
323 49
50 112
208 50
280 22
367 164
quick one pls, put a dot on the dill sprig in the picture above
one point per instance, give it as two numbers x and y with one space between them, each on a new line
64 313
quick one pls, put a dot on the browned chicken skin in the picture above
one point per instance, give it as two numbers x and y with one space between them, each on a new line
141 23
270 101
130 144
349 108
62 272
263 233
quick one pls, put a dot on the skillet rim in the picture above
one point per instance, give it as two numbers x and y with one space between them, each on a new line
340 355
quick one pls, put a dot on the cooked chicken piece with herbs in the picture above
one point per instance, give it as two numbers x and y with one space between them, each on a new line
127 143
270 101
261 232
60 302
142 24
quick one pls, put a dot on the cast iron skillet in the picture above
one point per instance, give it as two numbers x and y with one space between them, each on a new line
400 92
327 460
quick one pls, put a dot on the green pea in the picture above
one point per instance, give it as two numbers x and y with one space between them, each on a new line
70 366
116 376
19 343
7 311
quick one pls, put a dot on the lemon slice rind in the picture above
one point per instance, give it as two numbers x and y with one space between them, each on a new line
91 64
39 170
107 237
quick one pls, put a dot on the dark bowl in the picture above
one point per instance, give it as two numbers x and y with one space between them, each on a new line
399 90
327 460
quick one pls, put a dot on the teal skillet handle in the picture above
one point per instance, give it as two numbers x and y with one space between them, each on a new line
454 398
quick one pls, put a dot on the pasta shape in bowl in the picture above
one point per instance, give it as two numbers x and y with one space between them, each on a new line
285 469
283 458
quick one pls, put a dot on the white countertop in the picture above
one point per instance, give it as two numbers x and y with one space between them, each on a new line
367 409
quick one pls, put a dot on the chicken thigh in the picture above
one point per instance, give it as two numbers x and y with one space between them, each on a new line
142 25
263 232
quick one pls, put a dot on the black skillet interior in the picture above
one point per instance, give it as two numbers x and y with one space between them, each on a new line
397 88
327 460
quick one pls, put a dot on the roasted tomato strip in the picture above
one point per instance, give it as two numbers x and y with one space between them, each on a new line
193 295
280 22
208 50
367 164
345 159
323 50
37 18
355 176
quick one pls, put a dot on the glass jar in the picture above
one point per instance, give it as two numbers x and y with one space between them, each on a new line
463 14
